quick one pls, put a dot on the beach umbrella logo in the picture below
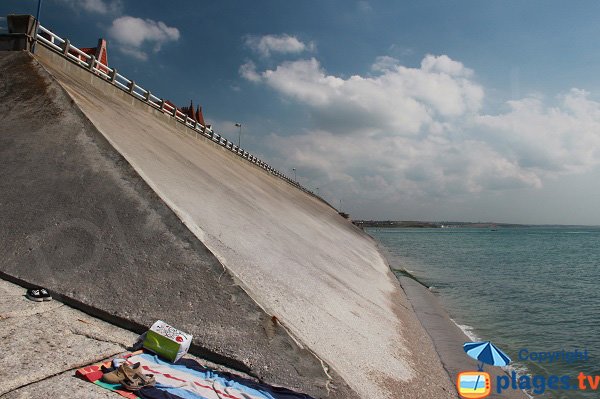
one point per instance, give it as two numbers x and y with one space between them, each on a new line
477 384
486 353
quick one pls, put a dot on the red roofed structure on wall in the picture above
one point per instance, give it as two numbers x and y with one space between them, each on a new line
197 115
189 111
99 52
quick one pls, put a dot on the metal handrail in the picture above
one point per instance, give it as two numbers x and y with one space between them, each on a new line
66 49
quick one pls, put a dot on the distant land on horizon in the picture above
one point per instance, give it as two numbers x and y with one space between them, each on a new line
438 225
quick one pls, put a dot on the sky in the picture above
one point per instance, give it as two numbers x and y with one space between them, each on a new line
423 110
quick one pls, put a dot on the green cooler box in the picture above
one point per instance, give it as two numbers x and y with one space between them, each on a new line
166 341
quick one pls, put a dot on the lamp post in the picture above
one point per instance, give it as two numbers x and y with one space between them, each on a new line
37 15
239 134
37 24
295 178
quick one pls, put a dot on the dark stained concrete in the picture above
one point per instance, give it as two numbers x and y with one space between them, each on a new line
76 218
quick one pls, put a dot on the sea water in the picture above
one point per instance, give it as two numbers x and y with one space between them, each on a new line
523 288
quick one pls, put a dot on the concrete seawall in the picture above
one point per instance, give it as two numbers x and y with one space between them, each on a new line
262 274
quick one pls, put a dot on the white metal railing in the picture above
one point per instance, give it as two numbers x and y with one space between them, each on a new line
51 41
74 54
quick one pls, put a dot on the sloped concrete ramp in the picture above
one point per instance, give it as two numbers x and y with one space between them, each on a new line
76 218
311 272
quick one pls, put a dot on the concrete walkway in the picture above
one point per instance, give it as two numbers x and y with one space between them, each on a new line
42 343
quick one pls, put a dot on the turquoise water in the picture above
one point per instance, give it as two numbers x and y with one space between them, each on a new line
534 288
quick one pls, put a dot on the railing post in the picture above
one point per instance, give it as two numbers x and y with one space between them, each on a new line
91 63
131 87
162 105
147 96
66 46
113 75
175 112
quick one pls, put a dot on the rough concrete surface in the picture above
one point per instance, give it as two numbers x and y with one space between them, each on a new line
41 340
319 276
323 278
64 385
43 343
76 218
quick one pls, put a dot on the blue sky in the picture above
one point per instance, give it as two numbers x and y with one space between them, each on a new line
431 110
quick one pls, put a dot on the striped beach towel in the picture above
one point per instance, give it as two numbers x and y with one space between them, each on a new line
186 379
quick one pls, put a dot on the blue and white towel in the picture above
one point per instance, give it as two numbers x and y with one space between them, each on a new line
186 379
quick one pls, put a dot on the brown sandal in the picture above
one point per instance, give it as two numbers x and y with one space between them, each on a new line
138 381
124 371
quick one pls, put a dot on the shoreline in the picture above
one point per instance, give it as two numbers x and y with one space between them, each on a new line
446 335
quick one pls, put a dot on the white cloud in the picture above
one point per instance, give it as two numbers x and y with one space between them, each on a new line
96 6
284 44
400 100
444 64
248 72
420 132
134 52
385 63
547 139
133 35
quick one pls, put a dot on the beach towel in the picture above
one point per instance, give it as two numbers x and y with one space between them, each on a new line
187 379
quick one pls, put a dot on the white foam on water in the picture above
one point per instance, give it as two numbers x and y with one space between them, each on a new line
468 330
519 369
